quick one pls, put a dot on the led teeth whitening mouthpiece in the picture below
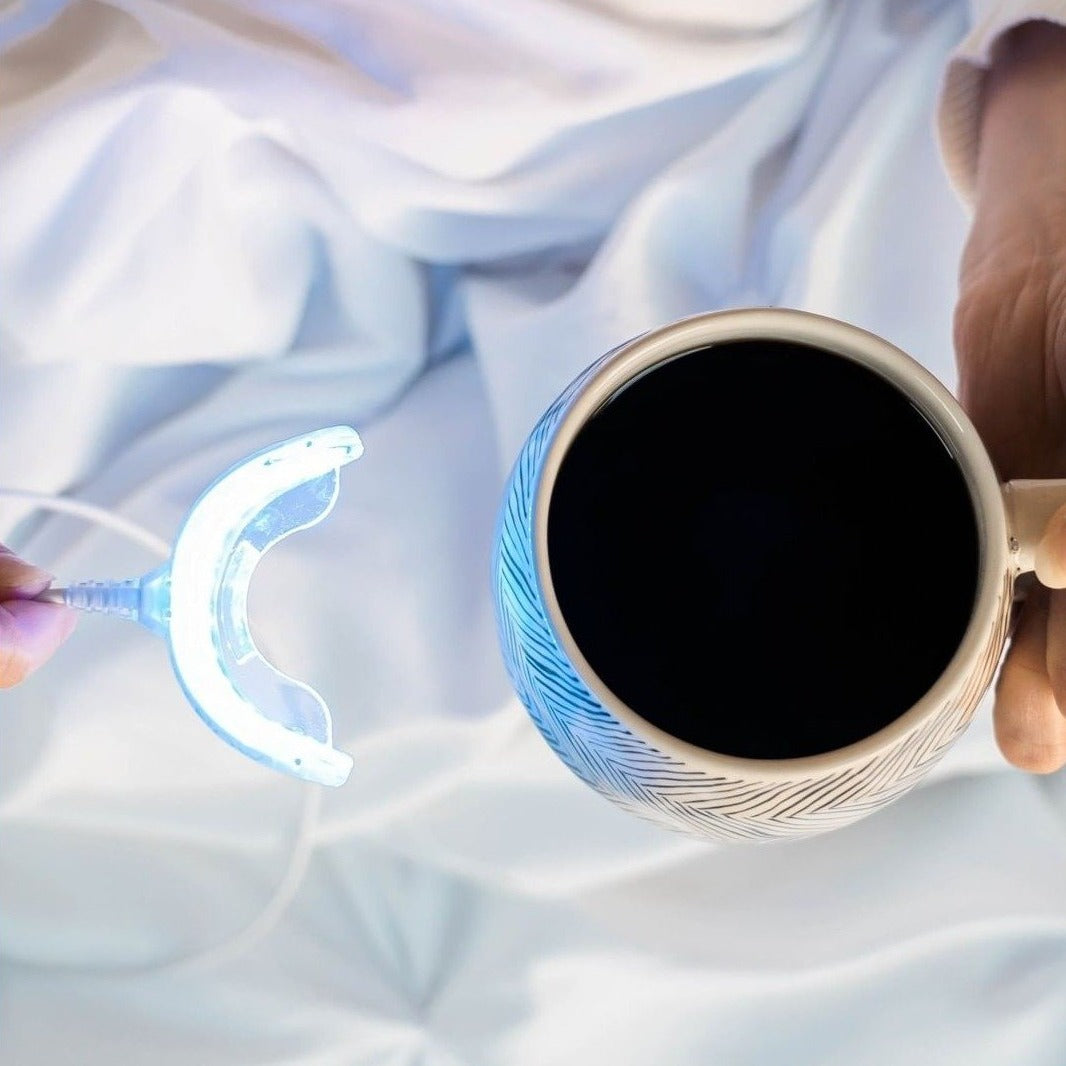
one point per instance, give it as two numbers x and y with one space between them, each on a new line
198 602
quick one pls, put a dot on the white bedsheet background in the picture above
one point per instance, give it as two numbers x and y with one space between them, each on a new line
228 222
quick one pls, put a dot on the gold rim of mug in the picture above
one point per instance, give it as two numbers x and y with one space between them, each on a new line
868 349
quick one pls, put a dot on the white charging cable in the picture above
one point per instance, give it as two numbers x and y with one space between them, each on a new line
91 513
303 845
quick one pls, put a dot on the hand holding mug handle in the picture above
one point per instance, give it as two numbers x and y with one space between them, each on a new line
1010 339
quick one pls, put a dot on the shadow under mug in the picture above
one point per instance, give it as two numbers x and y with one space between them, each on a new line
677 784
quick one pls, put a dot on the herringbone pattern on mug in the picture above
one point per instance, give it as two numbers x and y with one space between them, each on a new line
627 769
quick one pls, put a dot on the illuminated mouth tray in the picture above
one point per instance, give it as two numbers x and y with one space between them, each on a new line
198 602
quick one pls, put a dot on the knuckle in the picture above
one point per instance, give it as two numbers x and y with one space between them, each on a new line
1010 296
973 319
979 328
1016 401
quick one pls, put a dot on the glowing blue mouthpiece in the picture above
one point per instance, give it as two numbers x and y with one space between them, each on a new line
198 602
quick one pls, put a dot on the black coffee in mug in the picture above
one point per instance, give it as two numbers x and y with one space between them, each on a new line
763 548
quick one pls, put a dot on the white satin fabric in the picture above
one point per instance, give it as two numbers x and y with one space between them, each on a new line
224 223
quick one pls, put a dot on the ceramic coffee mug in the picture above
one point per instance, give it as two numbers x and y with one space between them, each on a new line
684 786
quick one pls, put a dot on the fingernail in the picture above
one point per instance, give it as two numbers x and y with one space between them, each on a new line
16 575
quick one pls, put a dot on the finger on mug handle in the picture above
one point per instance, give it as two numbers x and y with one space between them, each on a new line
1050 555
1029 726
1055 652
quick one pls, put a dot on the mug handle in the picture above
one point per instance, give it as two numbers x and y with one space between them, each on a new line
1028 504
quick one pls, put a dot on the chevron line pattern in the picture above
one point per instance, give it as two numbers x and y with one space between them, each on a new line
650 783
